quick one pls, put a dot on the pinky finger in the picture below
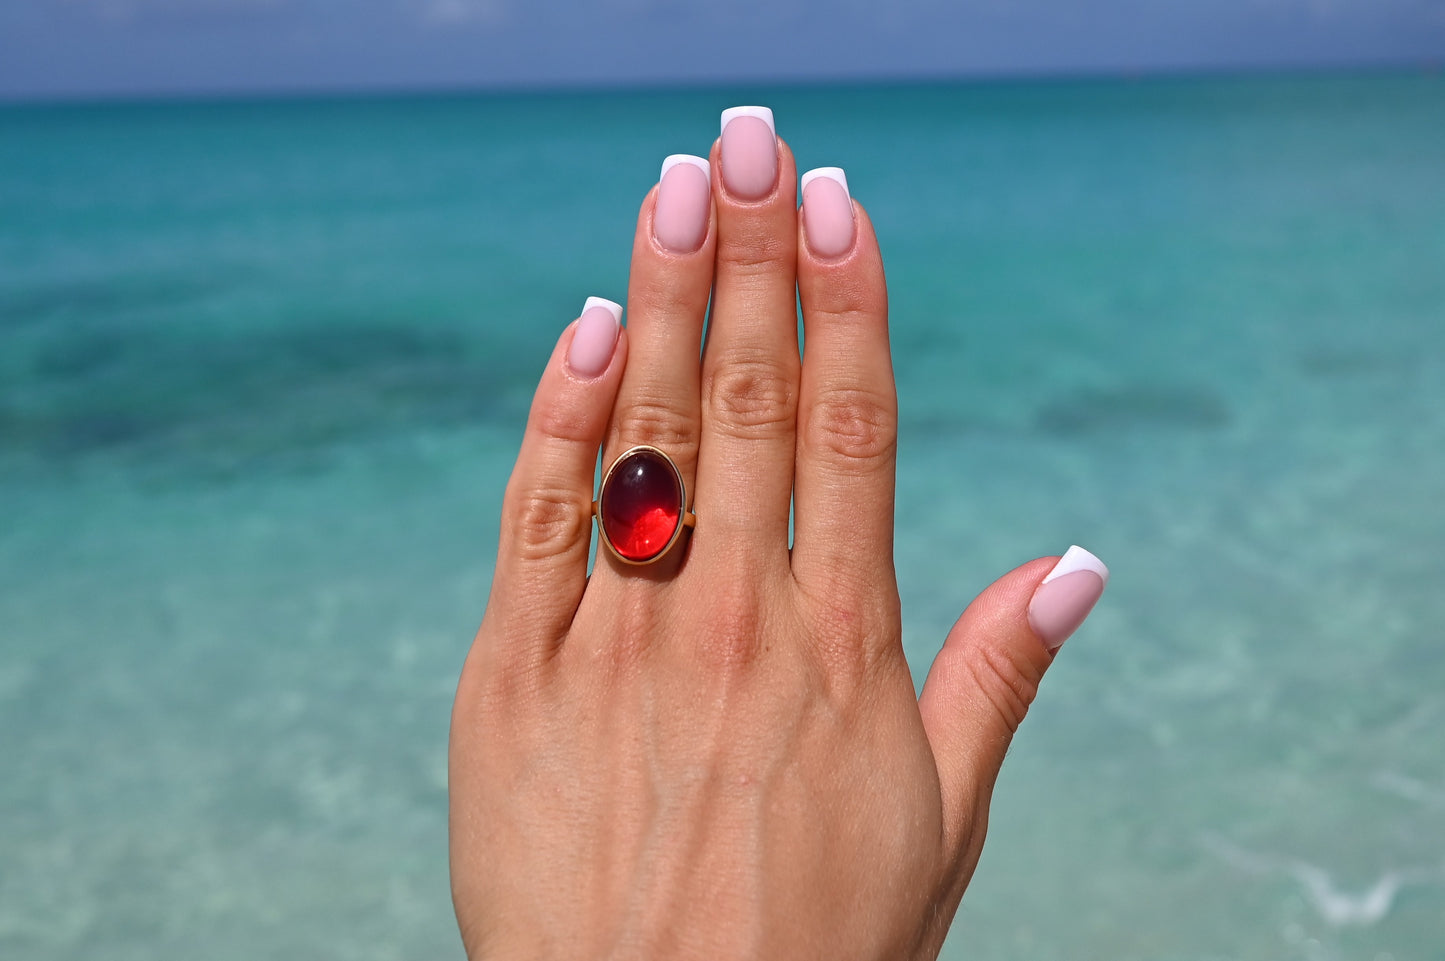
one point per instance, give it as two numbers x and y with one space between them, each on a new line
547 511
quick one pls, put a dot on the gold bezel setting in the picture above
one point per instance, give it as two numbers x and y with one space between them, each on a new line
686 518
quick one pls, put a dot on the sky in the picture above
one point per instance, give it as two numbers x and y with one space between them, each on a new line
67 48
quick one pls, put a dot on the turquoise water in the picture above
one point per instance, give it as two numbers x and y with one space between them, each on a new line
263 367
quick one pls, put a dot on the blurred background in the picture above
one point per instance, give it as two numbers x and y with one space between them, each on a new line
276 281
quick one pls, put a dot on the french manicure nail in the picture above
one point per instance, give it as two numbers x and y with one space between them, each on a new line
827 212
749 152
684 195
595 339
1066 596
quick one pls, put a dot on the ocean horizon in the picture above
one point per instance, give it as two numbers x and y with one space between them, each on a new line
726 87
264 364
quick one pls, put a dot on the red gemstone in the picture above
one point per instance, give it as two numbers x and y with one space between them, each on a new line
641 504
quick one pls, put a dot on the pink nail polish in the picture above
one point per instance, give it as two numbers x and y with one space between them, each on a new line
595 339
827 212
684 195
1066 596
749 152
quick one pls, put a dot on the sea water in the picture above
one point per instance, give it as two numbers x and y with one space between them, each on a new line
264 365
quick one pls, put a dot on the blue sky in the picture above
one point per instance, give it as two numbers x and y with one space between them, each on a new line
86 47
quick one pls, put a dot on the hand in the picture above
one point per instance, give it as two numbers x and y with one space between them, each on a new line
720 754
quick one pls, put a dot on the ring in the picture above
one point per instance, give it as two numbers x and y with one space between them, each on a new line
642 505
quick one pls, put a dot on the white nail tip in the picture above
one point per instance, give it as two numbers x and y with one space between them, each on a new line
685 158
614 308
1078 559
834 174
762 113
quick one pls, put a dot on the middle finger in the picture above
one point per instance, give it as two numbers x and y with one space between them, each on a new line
750 367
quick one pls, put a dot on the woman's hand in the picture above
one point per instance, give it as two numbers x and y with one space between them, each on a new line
720 755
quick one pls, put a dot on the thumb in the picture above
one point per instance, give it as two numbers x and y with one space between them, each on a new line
986 675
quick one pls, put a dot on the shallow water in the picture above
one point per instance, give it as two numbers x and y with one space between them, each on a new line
263 368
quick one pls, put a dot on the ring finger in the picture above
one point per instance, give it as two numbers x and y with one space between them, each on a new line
672 266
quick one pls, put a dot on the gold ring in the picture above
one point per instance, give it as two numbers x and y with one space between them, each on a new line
641 507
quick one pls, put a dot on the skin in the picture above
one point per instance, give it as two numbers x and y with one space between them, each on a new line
721 755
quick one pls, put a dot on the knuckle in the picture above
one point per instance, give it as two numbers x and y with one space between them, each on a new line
733 637
545 523
570 423
853 428
840 641
493 683
850 639
751 397
1008 682
757 252
648 421
639 623
669 296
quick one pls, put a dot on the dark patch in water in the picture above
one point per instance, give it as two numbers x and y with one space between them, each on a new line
97 431
1332 362
273 396
934 427
1132 407
101 298
82 357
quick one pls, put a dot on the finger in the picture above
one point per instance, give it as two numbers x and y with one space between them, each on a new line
848 409
750 364
667 298
547 509
988 672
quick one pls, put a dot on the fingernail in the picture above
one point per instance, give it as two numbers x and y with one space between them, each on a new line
1066 596
827 212
749 152
595 338
683 196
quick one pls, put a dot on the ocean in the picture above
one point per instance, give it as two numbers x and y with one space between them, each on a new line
264 366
